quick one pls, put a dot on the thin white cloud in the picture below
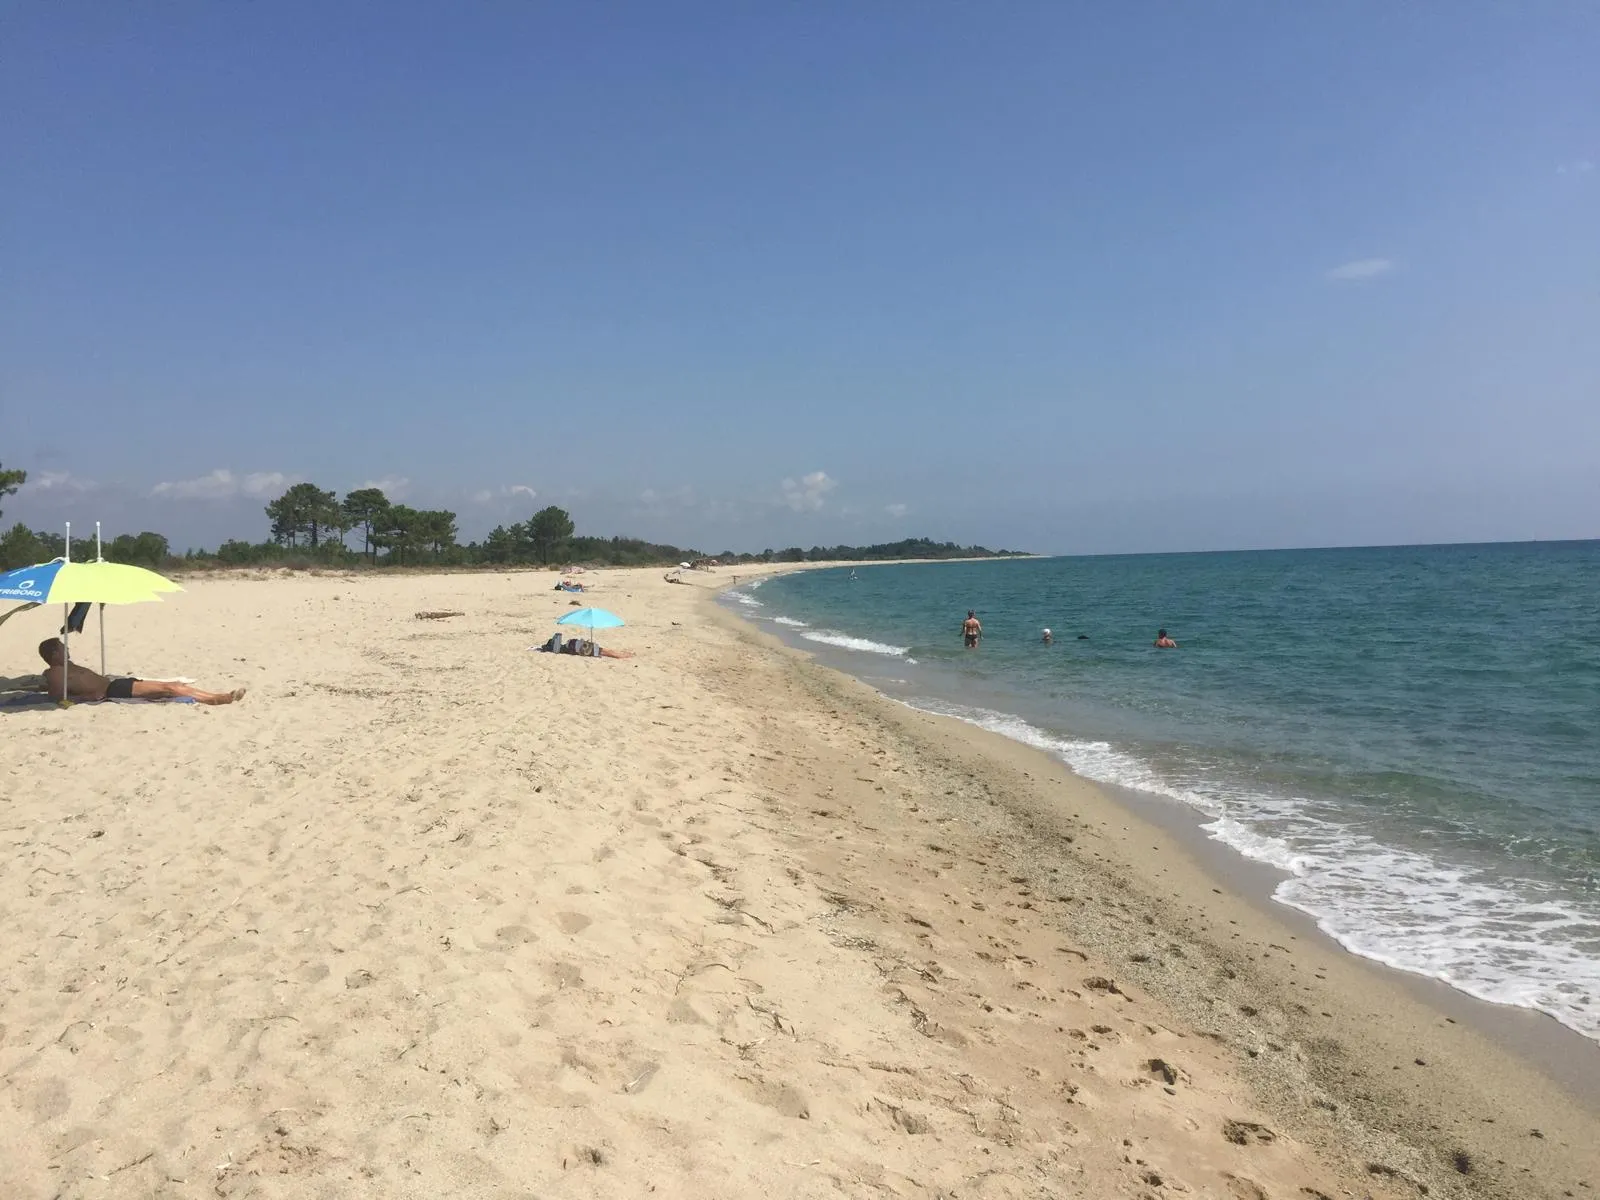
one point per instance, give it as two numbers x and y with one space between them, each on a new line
57 481
509 492
1361 268
264 483
394 487
809 493
223 484
1578 166
896 510
679 497
218 485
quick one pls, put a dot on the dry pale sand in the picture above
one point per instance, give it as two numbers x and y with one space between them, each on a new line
430 915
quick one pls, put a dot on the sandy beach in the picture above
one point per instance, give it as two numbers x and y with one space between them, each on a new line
429 914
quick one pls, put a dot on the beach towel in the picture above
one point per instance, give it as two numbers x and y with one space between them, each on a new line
18 701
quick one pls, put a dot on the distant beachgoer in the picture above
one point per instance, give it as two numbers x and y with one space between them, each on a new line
971 629
1163 642
84 684
584 648
1048 637
1083 637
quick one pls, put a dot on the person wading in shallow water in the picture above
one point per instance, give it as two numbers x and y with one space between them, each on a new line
1163 642
971 629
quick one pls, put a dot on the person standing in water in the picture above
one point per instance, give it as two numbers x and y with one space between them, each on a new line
971 630
1163 642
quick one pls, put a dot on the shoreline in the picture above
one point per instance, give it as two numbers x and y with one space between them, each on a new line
1568 1058
1460 1066
1565 1054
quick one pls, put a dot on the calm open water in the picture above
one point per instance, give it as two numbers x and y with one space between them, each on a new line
1412 733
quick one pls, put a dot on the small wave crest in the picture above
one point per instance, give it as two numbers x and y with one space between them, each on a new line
846 642
746 599
791 622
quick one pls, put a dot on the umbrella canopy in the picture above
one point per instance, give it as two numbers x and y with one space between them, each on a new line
594 618
62 582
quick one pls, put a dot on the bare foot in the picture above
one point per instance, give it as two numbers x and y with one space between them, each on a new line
221 697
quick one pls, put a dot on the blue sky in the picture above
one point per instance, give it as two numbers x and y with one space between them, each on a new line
1166 276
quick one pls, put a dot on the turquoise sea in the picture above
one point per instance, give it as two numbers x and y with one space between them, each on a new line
1412 734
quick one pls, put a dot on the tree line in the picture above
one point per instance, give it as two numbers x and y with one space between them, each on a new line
312 526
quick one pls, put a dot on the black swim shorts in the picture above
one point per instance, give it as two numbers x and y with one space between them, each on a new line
120 689
972 639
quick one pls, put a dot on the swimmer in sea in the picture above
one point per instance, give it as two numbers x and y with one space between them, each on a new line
1163 642
971 630
1048 637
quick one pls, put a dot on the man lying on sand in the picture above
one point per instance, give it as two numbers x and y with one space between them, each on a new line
89 685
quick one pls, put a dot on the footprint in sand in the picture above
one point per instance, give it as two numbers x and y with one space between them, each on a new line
564 974
1241 1188
49 1099
1163 1071
1248 1133
571 922
681 1012
780 1097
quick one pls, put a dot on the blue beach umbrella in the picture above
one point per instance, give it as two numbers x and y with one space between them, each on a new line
63 582
594 618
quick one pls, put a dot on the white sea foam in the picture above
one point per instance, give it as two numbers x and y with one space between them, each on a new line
1502 939
746 599
790 621
846 642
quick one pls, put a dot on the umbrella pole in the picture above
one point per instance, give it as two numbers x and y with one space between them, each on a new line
66 652
99 557
66 627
